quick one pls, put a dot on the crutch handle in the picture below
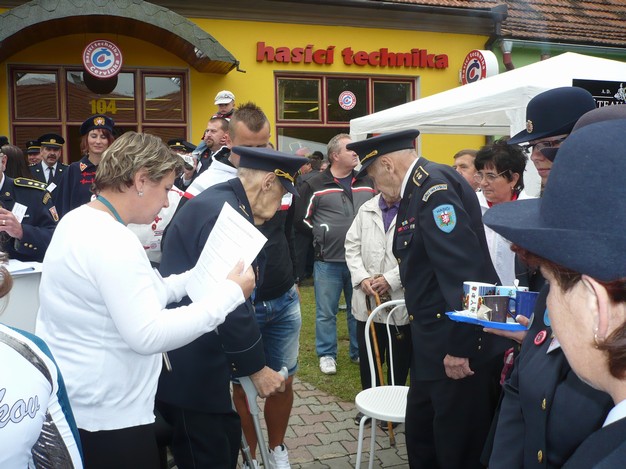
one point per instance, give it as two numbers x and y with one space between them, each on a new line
251 392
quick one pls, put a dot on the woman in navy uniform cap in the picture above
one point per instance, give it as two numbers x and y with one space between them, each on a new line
547 410
75 187
576 241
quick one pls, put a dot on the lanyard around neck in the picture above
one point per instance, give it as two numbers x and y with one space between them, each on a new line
108 205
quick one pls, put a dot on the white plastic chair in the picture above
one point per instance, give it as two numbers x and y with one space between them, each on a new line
384 403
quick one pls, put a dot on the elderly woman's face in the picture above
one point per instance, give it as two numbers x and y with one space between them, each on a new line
496 186
573 326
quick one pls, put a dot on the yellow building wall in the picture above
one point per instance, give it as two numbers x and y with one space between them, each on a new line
257 83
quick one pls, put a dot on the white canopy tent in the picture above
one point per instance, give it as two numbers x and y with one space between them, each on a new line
493 106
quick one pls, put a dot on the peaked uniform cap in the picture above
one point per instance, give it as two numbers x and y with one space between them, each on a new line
600 114
33 146
285 166
554 112
181 145
370 149
51 140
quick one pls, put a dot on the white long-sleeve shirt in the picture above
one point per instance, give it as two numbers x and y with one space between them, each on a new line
500 248
102 313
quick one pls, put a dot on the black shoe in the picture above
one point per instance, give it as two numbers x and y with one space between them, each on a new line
357 419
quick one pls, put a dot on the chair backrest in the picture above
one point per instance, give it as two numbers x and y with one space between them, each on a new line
394 305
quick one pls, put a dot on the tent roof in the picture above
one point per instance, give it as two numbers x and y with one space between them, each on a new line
493 106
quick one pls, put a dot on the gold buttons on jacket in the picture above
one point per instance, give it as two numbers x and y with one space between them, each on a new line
399 260
438 315
540 456
543 404
410 317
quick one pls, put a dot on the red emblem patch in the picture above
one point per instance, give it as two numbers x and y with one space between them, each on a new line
540 338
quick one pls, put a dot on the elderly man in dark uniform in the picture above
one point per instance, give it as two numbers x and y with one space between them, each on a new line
439 243
194 397
27 217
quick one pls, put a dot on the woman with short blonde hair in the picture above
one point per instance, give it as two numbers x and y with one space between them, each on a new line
103 308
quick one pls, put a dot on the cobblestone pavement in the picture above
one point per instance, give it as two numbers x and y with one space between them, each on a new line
322 434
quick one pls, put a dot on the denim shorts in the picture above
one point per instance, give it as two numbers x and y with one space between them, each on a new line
279 321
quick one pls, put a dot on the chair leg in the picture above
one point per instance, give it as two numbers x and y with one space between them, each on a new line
360 441
372 443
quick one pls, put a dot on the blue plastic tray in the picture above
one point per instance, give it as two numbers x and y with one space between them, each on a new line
505 326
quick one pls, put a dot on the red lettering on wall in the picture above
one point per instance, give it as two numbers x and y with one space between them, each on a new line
415 58
360 58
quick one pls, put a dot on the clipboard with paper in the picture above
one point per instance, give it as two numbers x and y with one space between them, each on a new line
232 238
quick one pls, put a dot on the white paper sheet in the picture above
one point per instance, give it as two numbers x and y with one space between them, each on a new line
18 267
232 238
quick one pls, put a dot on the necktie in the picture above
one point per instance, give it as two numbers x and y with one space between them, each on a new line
50 174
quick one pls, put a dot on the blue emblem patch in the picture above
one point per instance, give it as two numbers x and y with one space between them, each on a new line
445 218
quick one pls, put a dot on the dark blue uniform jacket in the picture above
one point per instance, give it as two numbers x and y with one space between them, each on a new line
201 371
546 411
440 243
75 187
38 223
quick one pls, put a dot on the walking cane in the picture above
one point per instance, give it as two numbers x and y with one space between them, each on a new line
379 366
392 436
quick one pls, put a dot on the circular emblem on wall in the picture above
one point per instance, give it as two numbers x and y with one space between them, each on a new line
478 64
102 59
347 100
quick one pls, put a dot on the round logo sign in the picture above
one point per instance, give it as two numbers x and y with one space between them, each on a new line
102 59
347 100
478 64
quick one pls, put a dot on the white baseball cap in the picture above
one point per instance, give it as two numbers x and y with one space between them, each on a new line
224 97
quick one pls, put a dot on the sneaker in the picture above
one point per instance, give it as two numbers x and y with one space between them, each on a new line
280 457
328 366
355 360
255 465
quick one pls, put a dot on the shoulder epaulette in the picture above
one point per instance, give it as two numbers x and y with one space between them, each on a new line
25 182
419 176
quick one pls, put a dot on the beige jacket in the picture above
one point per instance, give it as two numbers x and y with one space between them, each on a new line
369 252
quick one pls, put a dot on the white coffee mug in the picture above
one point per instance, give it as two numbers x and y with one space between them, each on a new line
473 293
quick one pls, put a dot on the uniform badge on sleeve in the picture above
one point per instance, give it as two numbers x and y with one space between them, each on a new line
445 217
53 212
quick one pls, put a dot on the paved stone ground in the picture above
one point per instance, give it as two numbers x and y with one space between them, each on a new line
322 434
